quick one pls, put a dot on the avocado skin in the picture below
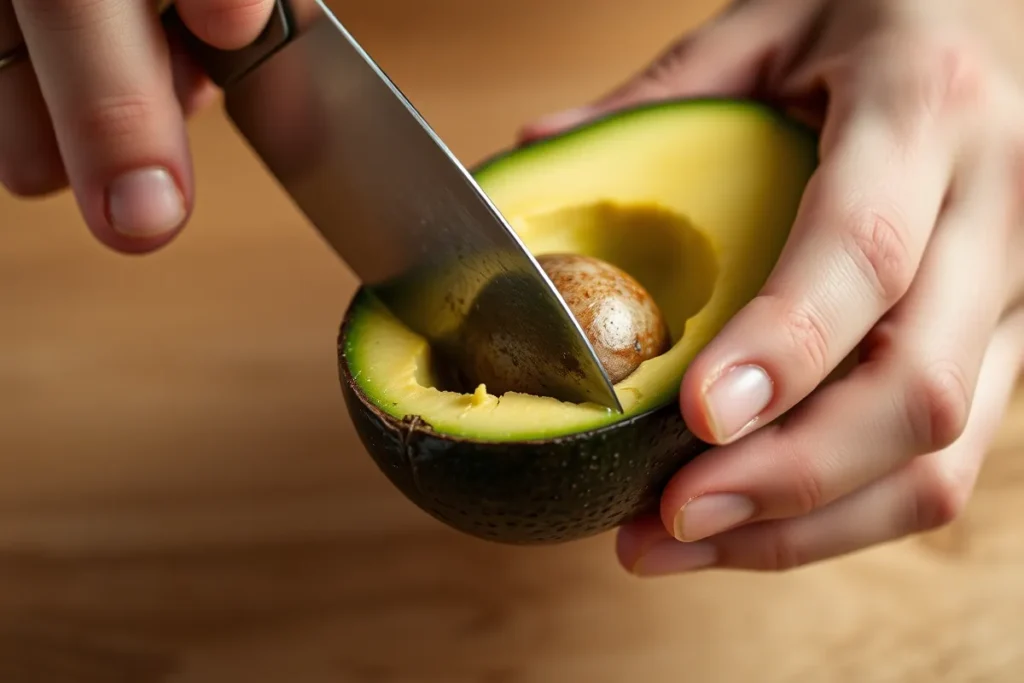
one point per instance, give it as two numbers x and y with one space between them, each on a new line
526 492
534 492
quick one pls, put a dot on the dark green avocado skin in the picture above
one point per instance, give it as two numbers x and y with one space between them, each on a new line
534 492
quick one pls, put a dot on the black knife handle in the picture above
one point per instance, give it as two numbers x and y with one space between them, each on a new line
226 66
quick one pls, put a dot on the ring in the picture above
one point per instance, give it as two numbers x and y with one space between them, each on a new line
16 55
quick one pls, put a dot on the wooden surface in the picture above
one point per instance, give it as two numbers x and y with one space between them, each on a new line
183 499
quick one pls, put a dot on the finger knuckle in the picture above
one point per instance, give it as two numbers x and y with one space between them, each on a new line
958 76
939 401
939 498
779 551
934 74
805 488
62 16
809 335
877 243
116 118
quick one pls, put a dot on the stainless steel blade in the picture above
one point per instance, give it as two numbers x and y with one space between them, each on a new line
398 207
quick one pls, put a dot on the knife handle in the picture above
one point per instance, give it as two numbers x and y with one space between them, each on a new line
226 66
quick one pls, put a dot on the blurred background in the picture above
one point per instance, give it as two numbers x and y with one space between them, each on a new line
183 499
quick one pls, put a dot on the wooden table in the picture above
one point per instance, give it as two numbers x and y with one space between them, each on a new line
183 498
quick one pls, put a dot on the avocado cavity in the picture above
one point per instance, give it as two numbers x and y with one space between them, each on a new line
691 200
586 252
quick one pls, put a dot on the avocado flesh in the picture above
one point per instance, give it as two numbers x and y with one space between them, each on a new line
694 199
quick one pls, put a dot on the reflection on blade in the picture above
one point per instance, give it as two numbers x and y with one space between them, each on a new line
407 217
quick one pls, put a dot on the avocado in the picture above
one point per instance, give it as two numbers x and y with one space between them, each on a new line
693 199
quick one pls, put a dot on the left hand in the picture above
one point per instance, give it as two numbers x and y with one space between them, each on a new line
907 246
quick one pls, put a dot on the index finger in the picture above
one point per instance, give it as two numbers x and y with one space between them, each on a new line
863 224
105 73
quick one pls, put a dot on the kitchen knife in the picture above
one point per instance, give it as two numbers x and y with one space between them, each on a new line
390 198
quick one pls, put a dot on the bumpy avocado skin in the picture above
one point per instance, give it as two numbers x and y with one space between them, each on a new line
530 492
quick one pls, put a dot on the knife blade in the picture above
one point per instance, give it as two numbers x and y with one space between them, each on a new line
392 200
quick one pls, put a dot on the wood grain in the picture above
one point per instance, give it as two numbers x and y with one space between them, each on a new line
183 499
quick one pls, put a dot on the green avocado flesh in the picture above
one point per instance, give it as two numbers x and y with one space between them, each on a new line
692 199
695 200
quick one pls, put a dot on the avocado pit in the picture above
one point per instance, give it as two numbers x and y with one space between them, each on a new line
618 316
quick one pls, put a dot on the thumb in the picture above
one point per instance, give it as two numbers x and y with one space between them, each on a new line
726 57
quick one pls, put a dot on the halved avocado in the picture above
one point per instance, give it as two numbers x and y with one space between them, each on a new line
692 198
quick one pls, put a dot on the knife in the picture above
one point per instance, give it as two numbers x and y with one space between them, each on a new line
390 198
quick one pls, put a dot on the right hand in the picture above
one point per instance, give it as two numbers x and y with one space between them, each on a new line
907 247
101 103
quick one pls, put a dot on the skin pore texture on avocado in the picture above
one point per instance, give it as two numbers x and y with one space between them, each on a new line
692 199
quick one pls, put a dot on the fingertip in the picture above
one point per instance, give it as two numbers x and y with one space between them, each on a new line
30 159
134 246
733 385
692 408
633 93
692 404
129 246
627 551
139 210
717 470
198 98
676 494
132 201
35 176
555 123
225 24
633 540
193 89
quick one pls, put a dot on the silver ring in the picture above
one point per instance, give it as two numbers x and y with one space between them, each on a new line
16 55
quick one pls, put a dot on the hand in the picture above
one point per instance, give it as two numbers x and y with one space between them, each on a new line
907 247
101 105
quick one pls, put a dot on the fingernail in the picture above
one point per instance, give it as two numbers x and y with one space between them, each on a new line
145 203
673 557
735 399
711 514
